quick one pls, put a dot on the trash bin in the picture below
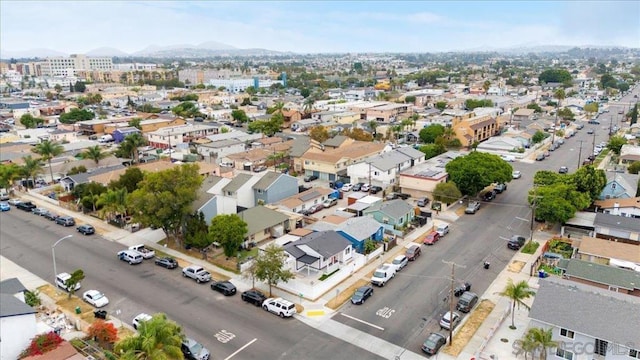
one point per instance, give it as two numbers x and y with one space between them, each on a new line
78 311
542 274
486 265
100 314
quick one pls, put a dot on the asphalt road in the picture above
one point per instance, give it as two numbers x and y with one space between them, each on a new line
223 324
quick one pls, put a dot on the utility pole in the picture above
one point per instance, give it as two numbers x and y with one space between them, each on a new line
453 278
369 175
579 153
593 144
534 204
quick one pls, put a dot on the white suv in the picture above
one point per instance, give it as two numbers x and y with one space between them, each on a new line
142 317
280 307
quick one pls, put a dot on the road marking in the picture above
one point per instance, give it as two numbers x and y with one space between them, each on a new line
224 336
242 348
362 321
385 312
315 312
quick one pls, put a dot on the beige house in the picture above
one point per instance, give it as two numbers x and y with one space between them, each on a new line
474 129
421 179
607 252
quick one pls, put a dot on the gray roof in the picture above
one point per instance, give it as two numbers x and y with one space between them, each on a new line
387 161
617 222
326 243
603 274
11 306
322 226
360 227
411 152
259 218
237 182
299 147
393 208
598 313
335 141
11 286
219 144
203 196
267 180
84 177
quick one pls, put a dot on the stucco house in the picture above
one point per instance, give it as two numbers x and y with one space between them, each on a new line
330 163
383 169
304 200
629 207
500 144
396 213
273 187
120 133
421 180
17 319
322 251
264 223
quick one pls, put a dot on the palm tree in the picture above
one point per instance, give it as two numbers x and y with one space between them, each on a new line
112 202
158 338
131 144
539 340
373 125
517 293
560 95
278 107
31 168
486 85
308 104
48 150
94 153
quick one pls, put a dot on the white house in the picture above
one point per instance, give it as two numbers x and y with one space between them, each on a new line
17 320
383 169
221 149
324 251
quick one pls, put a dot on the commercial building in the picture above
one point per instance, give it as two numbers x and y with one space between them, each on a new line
67 66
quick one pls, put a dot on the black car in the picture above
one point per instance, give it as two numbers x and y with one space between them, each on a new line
489 195
357 186
433 343
254 297
461 289
375 189
310 178
86 229
167 262
361 295
26 206
516 242
224 287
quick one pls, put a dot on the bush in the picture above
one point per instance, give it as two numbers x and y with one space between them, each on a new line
32 299
634 168
42 344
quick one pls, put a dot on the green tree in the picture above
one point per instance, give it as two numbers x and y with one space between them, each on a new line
30 122
485 86
75 278
429 134
135 122
157 339
8 174
566 114
79 86
130 145
535 107
591 108
441 105
432 150
270 266
129 180
538 137
196 232
634 115
239 116
58 88
357 134
477 170
554 76
446 192
373 125
590 180
410 99
32 298
164 198
94 153
634 168
229 231
76 115
31 168
187 109
471 104
615 144
47 151
251 90
517 293
268 127
546 177
305 92
113 202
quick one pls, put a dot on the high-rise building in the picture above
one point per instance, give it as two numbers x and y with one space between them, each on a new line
67 66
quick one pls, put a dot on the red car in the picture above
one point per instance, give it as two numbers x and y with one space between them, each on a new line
432 238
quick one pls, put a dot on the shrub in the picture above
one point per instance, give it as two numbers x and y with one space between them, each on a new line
42 344
32 299
103 332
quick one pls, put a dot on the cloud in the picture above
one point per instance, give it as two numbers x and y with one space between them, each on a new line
424 18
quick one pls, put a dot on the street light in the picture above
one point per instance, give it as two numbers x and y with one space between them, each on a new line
53 254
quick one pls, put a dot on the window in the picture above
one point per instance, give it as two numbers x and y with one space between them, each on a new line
259 191
564 354
601 347
567 333
633 353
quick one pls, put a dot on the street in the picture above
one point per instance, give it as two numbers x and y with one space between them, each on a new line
223 324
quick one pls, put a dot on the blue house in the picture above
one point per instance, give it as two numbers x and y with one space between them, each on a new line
360 229
619 186
273 187
121 133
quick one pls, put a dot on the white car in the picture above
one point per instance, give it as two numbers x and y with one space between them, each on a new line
347 187
516 174
400 262
365 188
95 298
442 229
279 306
140 318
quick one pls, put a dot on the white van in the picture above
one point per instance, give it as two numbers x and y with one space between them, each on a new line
105 138
61 281
508 158
130 256
383 274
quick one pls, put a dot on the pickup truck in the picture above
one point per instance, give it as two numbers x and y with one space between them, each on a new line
197 273
146 253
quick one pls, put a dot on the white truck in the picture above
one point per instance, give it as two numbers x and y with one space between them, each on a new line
146 253
105 139
383 274
197 273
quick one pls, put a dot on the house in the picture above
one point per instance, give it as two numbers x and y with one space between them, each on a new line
523 114
209 203
502 144
120 133
220 149
331 163
264 223
322 251
475 129
619 186
360 229
617 228
273 187
240 188
586 321
629 207
304 200
395 213
629 153
604 252
383 169
70 181
61 135
612 278
17 319
421 180
64 351
290 117
171 136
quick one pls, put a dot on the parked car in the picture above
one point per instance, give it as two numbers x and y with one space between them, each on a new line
62 279
280 307
259 168
51 216
197 273
433 343
461 289
65 221
563 170
14 201
254 297
313 209
130 256
375 189
39 211
516 174
400 262
432 238
365 188
26 206
346 187
310 178
358 186
449 320
139 319
86 229
226 288
442 229
472 208
422 202
413 252
593 122
4 206
166 262
467 301
500 188
361 295
590 131
516 242
95 298
489 195
540 157
193 350
330 202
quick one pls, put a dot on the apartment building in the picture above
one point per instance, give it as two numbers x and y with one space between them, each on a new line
67 66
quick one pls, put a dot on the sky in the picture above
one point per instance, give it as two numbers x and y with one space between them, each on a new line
317 27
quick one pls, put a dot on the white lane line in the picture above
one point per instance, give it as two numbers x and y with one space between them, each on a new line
362 321
242 348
